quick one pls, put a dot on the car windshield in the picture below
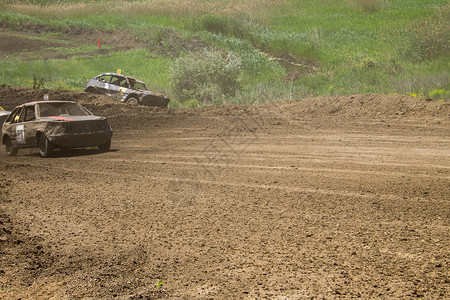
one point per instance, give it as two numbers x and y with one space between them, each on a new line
62 109
137 84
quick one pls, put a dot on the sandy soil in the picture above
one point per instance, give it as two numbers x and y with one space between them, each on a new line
334 197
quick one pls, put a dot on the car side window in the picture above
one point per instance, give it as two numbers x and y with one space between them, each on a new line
11 115
124 83
104 78
15 115
29 114
115 80
22 115
120 81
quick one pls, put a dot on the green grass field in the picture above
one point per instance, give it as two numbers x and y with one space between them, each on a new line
328 46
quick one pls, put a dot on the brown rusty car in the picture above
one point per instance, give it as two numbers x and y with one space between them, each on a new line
54 124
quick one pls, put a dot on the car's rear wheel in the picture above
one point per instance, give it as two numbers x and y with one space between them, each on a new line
10 149
133 101
45 146
105 147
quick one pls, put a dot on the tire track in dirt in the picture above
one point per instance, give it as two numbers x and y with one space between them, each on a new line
347 208
260 170
165 160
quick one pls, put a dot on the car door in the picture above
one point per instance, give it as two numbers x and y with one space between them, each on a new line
103 83
23 132
28 118
10 127
118 85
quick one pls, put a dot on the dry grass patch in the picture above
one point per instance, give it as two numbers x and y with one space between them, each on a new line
150 7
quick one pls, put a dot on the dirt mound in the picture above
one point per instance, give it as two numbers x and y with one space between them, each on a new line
10 96
366 106
325 109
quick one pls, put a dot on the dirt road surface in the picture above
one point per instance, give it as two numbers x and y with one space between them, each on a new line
335 197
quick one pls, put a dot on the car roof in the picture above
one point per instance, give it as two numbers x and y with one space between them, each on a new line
115 74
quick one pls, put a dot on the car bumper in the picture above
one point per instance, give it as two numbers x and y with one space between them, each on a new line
80 140
153 100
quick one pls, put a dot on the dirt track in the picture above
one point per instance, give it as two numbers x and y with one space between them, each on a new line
333 197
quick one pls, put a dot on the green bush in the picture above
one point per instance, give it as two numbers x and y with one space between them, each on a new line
439 94
255 67
206 77
429 38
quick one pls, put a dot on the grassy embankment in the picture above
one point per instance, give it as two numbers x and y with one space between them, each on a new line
338 46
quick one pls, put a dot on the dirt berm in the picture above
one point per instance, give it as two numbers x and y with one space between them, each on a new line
332 197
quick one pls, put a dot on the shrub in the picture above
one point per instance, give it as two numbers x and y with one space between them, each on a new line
227 26
439 94
429 38
205 76
254 65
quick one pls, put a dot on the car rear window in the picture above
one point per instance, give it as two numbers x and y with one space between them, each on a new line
62 109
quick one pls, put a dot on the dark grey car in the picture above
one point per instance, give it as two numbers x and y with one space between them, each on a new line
54 124
127 89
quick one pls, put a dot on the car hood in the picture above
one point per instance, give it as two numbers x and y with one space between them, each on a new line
4 113
71 118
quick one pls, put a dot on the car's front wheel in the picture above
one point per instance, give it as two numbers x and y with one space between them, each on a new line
10 149
133 101
105 147
45 146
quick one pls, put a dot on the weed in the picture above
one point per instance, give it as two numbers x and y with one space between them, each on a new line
429 38
37 83
441 95
70 8
422 83
188 103
224 25
205 77
367 6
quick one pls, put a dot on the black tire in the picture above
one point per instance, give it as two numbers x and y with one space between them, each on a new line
45 146
10 149
133 101
105 147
